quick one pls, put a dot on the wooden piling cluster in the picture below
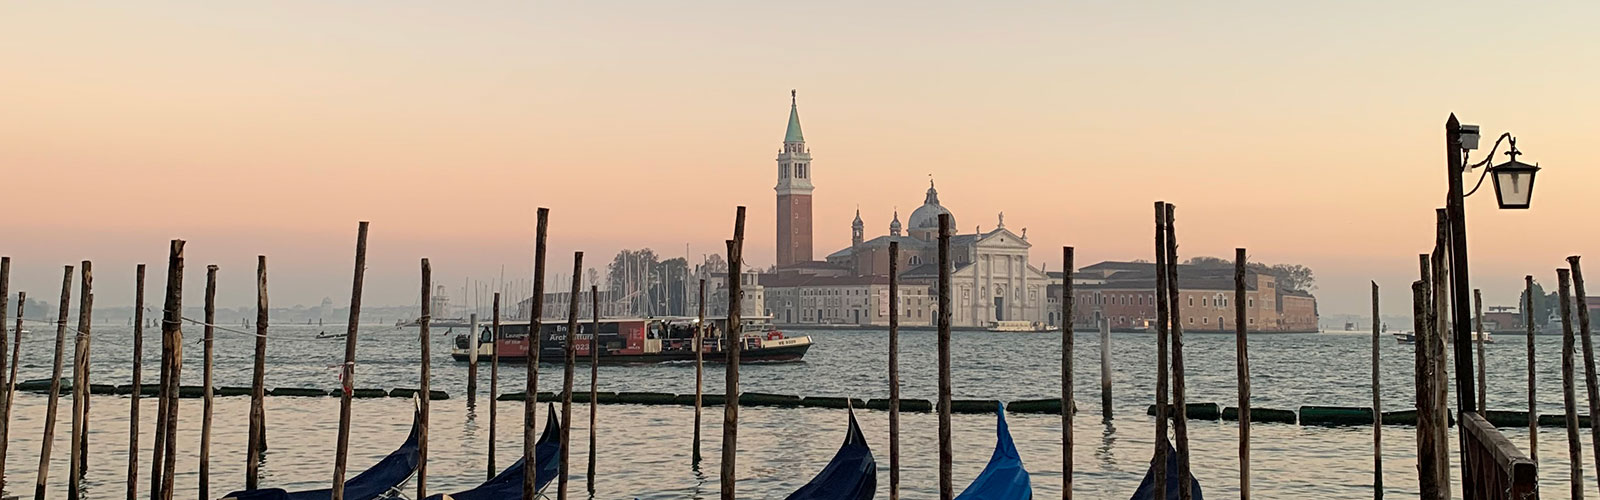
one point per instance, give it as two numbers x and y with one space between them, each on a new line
165 457
734 343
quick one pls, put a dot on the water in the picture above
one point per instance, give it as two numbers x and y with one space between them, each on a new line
643 451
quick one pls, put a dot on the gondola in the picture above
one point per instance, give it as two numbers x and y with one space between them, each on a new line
1147 487
851 475
374 483
1004 478
508 483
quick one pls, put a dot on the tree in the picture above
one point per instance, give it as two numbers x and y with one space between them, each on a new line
1207 261
1543 304
1294 277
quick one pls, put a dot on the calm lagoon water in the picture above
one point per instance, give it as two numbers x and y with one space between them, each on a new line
644 451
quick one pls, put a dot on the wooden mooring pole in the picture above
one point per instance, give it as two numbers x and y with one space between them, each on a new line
80 385
11 387
894 370
1421 307
594 378
1241 353
494 380
207 339
699 368
1066 373
1477 320
172 369
530 400
1104 325
1569 396
1180 399
946 447
348 369
1377 402
425 387
1533 401
570 349
55 387
735 343
5 396
1440 320
1589 380
258 384
1163 321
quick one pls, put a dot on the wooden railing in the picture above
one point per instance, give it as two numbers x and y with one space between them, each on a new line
1494 468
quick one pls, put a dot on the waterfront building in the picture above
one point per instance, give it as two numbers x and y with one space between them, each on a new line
800 299
1124 294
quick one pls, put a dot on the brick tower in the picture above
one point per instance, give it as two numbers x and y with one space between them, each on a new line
794 193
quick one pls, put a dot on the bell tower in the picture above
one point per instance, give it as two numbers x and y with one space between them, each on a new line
794 193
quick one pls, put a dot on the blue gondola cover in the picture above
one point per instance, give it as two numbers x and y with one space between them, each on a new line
1147 490
1004 478
851 475
508 483
371 484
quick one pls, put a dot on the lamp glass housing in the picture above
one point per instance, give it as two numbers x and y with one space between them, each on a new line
1513 184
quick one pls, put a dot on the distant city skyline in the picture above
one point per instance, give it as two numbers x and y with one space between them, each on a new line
1307 133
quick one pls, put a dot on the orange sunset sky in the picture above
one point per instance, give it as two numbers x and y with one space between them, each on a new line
1307 132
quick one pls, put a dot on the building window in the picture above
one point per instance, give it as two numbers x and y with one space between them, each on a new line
1252 321
1202 302
1191 304
1252 302
1205 321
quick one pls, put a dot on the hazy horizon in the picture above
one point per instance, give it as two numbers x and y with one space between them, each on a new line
1307 133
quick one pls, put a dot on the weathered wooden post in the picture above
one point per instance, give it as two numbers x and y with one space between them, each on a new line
207 339
735 343
1180 427
570 348
1377 402
1441 318
1163 321
699 367
1589 379
472 360
80 385
172 369
348 370
11 387
425 387
1427 461
494 379
5 397
1477 319
1066 373
258 384
594 378
55 387
1241 353
1533 401
894 370
530 400
946 448
1569 399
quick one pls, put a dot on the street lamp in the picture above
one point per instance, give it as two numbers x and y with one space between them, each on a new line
1513 180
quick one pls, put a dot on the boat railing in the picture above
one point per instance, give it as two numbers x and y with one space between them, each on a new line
1496 469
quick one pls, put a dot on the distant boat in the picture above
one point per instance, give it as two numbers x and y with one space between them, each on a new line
637 341
326 335
851 475
1018 326
1004 478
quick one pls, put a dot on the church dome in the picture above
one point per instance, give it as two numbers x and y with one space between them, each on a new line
927 215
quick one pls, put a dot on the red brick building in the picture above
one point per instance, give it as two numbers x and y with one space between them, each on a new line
1124 294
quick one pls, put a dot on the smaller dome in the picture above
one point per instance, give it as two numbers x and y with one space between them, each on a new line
894 226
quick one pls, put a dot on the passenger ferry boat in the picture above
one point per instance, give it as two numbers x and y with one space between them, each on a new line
640 340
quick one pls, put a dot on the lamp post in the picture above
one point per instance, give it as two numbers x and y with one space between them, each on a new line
1513 182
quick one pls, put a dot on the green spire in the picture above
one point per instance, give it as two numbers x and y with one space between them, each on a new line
793 135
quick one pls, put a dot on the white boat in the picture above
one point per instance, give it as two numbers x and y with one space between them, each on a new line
1018 326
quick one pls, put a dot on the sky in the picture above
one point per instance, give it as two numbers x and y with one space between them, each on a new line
1306 132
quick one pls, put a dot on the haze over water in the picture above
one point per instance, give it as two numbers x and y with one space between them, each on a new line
643 451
